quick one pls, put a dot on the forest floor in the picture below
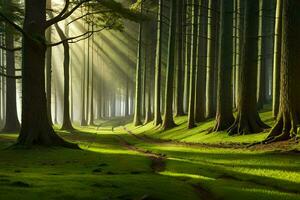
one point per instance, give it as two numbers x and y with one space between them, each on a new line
119 161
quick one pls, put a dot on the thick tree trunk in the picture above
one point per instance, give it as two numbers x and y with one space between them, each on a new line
277 58
248 120
180 61
168 121
224 116
35 128
157 95
289 109
11 119
194 58
201 64
67 124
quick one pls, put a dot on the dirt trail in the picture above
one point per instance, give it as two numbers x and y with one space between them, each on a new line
158 163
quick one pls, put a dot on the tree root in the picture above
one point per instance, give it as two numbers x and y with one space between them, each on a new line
245 125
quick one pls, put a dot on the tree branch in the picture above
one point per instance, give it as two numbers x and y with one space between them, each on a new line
10 76
65 15
10 49
70 40
10 22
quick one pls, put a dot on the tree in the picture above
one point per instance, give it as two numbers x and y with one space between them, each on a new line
211 58
277 58
248 120
194 58
138 78
168 121
289 108
180 61
157 92
67 124
200 96
224 115
11 118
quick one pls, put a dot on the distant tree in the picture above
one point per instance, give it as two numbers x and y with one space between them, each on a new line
248 120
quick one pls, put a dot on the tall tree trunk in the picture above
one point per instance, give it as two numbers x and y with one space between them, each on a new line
180 61
277 58
11 120
35 126
248 120
201 64
224 116
211 56
138 89
49 68
187 64
157 93
91 113
67 124
289 109
194 58
168 121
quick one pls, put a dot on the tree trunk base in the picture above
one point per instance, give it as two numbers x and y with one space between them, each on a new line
47 139
168 125
222 124
284 129
245 125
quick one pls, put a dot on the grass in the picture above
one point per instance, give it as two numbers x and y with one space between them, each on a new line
105 168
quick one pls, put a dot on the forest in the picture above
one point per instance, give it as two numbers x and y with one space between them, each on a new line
149 99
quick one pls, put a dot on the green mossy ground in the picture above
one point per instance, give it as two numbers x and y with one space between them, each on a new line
115 163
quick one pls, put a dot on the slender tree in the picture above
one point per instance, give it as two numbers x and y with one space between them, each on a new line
157 92
11 118
138 89
67 124
194 58
180 61
277 58
168 121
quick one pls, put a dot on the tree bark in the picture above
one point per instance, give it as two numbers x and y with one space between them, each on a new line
67 124
277 59
180 61
224 115
35 127
11 119
194 58
211 56
248 120
289 109
157 95
168 121
201 64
